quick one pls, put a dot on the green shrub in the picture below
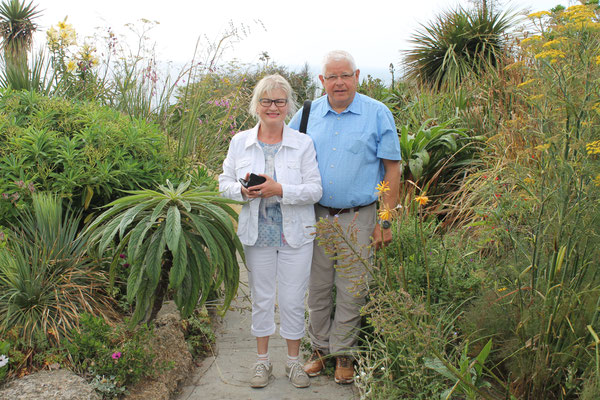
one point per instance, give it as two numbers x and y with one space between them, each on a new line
46 278
114 357
81 151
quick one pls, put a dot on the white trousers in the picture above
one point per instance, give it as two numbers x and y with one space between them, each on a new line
284 270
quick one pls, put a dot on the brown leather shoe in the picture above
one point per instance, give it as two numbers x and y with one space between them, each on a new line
344 370
315 363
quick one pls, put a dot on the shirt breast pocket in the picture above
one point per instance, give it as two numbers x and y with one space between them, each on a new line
355 146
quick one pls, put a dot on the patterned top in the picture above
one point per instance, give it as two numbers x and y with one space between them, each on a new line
270 228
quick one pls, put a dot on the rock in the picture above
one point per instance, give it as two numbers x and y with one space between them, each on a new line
59 384
170 346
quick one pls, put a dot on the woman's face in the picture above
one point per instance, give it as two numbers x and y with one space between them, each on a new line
273 114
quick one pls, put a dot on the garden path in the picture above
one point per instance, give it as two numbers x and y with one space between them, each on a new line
226 375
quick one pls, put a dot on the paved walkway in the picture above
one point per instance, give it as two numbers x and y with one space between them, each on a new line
227 374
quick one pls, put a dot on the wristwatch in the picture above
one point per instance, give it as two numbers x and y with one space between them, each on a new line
385 224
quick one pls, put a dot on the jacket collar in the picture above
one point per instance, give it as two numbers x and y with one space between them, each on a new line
290 138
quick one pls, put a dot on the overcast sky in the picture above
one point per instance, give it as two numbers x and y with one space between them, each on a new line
292 33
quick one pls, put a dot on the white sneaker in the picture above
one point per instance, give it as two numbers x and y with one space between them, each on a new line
295 371
262 372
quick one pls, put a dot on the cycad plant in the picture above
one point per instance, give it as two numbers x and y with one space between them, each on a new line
457 43
46 279
174 238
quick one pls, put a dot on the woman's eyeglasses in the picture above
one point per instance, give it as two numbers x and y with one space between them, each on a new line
268 102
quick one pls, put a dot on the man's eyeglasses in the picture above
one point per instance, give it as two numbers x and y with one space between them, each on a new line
334 78
268 102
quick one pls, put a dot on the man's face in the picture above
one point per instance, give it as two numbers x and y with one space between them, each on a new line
340 83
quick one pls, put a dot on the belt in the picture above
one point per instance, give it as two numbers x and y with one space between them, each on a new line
336 211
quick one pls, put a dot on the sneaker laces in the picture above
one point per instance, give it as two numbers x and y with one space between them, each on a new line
296 370
260 369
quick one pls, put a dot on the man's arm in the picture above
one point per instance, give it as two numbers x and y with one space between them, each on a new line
389 199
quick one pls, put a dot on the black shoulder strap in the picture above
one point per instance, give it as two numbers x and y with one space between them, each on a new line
305 115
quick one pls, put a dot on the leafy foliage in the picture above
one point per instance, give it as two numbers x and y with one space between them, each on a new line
180 237
80 151
115 357
46 278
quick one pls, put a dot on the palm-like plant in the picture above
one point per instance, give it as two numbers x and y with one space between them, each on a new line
16 30
459 42
177 238
46 279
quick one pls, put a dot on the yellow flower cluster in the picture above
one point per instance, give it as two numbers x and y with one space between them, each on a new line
527 82
422 200
536 97
542 147
553 54
86 55
579 13
596 107
538 14
383 187
535 38
593 147
63 35
597 180
598 60
385 214
552 42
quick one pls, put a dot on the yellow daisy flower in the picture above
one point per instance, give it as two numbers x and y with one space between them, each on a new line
383 187
422 200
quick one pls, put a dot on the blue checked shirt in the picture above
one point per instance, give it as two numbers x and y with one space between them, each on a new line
350 147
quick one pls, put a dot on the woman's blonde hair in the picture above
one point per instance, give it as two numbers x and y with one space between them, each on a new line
268 84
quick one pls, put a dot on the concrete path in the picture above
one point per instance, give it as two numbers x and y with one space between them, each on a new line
226 375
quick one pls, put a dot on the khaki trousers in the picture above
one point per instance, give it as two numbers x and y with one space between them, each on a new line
336 331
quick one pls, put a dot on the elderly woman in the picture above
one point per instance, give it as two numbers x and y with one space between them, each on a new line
277 222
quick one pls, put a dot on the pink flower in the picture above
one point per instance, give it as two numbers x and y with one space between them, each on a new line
122 255
116 355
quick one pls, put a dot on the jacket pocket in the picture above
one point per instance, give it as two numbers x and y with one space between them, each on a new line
242 167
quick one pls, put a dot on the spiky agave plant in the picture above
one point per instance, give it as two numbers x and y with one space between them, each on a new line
457 43
177 238
47 280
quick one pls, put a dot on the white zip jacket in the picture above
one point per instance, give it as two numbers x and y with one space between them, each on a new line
298 173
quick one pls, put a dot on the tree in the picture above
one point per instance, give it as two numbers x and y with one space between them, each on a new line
16 30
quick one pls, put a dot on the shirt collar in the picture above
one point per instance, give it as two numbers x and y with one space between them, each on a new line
354 107
288 140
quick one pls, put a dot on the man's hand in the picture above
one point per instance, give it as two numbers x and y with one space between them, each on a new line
381 237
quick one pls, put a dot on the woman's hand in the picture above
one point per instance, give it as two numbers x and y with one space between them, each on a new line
269 188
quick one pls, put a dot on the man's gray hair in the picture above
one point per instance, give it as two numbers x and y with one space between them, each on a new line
267 85
338 55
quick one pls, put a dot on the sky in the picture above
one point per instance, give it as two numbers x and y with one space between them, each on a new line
292 33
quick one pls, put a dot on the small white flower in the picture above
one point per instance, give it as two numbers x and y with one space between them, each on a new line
3 360
383 368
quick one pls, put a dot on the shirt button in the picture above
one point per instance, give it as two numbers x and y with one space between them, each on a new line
331 183
331 165
339 118
331 197
334 149
337 133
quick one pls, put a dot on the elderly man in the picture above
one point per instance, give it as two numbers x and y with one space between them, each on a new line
357 147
